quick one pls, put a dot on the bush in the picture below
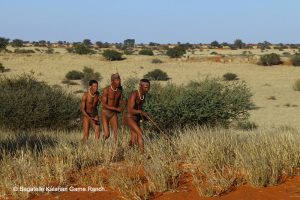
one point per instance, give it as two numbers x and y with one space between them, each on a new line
296 60
176 52
89 74
24 51
297 85
209 102
147 52
156 61
112 55
26 103
82 49
230 76
129 85
74 75
270 59
157 75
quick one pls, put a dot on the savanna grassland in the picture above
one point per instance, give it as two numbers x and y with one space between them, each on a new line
194 162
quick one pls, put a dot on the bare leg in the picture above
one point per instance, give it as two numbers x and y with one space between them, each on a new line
138 133
114 126
105 123
86 127
96 128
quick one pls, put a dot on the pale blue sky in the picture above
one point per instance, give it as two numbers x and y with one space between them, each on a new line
163 21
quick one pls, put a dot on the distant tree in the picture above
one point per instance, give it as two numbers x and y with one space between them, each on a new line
3 43
60 43
87 42
129 42
154 44
215 44
239 44
270 59
17 43
99 44
82 49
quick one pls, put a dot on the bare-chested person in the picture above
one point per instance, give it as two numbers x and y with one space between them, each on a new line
111 106
89 103
133 114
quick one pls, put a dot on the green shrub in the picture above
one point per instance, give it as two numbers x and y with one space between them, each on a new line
157 75
210 102
74 75
156 61
26 103
112 55
129 85
147 52
297 85
82 49
176 52
230 76
296 60
24 51
89 74
270 59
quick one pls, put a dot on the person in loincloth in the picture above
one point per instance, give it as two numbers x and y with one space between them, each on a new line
134 113
89 103
111 106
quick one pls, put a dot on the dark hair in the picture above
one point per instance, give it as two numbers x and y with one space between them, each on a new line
144 80
91 82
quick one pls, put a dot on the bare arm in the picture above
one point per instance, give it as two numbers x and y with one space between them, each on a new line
104 101
83 100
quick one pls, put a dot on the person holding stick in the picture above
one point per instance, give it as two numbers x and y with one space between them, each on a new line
134 113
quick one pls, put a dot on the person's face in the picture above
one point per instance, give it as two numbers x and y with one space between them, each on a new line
116 82
94 87
145 87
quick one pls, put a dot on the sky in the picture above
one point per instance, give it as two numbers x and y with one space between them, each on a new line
162 21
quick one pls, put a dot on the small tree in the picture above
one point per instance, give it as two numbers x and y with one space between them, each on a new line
3 43
87 42
176 52
129 42
215 44
17 43
112 55
157 75
82 49
270 59
239 44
